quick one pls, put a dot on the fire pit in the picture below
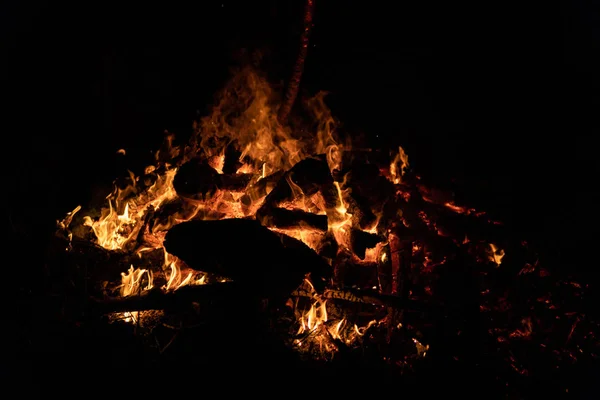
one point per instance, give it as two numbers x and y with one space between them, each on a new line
338 253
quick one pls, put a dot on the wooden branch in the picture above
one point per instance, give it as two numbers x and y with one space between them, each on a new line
231 292
291 219
156 299
294 83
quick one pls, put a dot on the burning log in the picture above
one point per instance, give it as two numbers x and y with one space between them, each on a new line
198 180
232 159
350 272
296 219
306 178
360 241
368 189
294 83
158 300
257 191
328 246
401 251
233 292
362 214
248 253
102 265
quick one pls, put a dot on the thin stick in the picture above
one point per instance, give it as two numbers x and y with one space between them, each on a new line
292 89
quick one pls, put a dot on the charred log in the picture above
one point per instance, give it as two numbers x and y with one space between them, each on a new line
350 272
368 186
248 253
181 299
306 178
328 246
309 175
232 292
360 241
196 179
294 83
400 253
100 265
291 219
362 214
257 191
234 182
232 159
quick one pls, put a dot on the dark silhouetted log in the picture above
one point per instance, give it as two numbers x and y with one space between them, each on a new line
198 180
307 177
232 159
400 251
100 265
181 299
291 219
248 253
350 272
234 182
360 241
328 247
310 175
369 189
228 293
257 191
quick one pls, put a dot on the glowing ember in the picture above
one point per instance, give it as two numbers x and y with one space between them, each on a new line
496 254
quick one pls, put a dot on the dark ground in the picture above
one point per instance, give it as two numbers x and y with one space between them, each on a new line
500 97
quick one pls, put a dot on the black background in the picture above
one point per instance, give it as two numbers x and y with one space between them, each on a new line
498 95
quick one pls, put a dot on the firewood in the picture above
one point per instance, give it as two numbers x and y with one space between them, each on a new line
156 299
297 219
248 253
362 214
232 159
368 186
198 180
328 246
310 175
102 265
400 253
360 241
350 272
258 190
234 182
210 294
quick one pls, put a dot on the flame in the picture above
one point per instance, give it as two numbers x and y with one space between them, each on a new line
176 279
114 230
398 166
421 349
496 254
133 282
317 330
244 119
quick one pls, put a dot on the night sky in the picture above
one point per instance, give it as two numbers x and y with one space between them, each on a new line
500 96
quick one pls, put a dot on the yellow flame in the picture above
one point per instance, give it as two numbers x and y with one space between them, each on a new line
398 166
175 278
245 117
113 229
496 254
133 283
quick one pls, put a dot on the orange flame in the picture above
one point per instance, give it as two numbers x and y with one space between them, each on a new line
245 118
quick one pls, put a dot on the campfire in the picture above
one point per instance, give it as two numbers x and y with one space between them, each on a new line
345 248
